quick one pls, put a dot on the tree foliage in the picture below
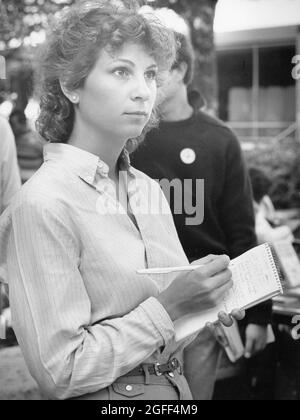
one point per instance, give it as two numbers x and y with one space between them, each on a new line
20 19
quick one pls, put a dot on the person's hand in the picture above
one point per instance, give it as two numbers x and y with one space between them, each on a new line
256 340
226 320
198 290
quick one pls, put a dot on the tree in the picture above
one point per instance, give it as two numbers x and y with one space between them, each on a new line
19 19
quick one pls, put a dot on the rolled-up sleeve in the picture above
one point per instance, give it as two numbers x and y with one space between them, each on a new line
51 310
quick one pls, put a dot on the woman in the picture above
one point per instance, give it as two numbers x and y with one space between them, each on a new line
89 326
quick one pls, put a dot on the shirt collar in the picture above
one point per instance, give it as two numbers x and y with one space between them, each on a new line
86 165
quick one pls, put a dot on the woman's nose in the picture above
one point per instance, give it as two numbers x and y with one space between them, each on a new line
141 90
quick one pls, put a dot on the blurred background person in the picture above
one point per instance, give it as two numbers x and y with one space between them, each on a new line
10 183
29 145
189 144
267 224
9 172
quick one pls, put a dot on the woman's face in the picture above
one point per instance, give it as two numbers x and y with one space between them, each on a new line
119 94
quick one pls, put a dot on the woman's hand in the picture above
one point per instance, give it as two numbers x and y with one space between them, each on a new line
226 320
199 290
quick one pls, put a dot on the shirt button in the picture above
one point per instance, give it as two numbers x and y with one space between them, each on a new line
128 388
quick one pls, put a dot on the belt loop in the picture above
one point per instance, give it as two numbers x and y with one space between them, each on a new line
147 374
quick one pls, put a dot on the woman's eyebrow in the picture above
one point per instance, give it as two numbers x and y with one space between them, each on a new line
132 64
153 66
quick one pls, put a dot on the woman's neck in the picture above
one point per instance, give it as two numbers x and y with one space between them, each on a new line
108 150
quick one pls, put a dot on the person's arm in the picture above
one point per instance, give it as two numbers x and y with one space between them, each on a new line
238 219
266 233
9 176
236 207
51 310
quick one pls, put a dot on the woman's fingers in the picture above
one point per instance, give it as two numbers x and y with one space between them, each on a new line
222 279
215 266
205 260
225 319
238 314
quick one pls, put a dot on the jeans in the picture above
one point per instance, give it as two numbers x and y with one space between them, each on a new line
200 365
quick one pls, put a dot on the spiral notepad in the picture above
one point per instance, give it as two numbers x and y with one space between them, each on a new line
256 278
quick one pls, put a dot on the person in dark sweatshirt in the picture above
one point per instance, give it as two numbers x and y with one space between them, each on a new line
29 145
190 145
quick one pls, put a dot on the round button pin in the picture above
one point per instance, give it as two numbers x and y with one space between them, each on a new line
128 388
188 156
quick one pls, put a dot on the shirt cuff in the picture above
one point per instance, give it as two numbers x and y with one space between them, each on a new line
160 319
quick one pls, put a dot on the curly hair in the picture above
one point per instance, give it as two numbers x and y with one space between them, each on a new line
73 47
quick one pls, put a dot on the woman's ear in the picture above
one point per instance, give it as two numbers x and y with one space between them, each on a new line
72 96
182 70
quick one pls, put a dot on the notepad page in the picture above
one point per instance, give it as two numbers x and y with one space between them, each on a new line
255 279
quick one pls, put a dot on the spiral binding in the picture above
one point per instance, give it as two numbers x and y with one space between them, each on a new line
276 266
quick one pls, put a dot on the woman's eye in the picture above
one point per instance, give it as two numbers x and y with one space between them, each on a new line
151 75
122 72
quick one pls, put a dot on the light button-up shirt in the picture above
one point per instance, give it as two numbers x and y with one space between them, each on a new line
82 315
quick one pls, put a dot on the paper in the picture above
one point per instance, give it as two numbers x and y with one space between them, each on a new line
255 279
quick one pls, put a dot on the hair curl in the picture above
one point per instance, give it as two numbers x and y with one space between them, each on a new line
73 47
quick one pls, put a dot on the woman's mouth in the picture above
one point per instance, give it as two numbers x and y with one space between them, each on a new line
139 114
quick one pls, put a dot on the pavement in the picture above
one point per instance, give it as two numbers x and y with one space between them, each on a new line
16 382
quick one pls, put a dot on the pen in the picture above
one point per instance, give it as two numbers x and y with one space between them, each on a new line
168 270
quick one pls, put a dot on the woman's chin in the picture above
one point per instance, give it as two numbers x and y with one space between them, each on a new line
134 132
